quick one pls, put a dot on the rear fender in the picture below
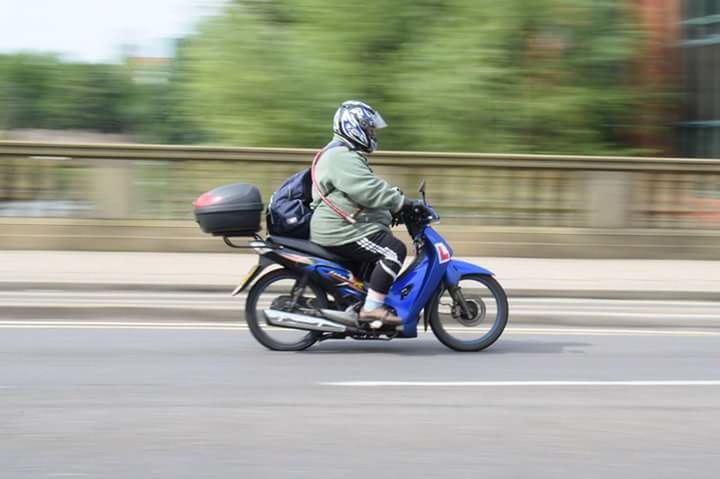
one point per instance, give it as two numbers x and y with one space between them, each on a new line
255 274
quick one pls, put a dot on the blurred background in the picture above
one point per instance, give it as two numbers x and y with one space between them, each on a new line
540 125
572 147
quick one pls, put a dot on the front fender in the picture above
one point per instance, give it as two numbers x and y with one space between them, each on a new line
456 269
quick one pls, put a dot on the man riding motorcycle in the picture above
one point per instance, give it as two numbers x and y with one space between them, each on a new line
354 208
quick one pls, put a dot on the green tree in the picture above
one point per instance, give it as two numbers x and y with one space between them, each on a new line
530 75
88 97
272 72
535 76
38 91
24 86
459 75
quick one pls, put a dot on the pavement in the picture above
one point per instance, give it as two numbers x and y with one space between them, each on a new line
202 272
100 286
167 401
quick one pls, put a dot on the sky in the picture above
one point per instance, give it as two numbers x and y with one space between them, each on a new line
97 30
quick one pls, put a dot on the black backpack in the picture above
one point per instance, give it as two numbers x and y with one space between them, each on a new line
288 211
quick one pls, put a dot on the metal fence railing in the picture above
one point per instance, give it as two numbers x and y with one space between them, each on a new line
160 182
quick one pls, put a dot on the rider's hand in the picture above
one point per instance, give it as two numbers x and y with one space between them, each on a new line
398 217
415 208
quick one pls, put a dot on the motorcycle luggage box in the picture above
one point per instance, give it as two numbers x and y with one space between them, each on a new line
229 210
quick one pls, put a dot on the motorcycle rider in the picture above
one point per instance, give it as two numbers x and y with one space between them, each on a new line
354 219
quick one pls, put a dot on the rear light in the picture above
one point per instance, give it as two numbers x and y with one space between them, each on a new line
206 199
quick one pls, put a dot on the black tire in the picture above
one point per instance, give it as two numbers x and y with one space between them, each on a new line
486 340
253 321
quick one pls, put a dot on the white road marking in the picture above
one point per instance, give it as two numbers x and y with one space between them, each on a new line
607 332
173 328
669 383
230 326
50 322
615 314
68 474
180 326
197 309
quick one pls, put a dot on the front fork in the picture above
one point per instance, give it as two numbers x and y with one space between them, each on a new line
459 299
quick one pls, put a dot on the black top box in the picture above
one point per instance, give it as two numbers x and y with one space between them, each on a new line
229 210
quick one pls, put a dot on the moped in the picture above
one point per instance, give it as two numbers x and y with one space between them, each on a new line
313 295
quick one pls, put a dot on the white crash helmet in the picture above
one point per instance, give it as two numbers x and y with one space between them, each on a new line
354 121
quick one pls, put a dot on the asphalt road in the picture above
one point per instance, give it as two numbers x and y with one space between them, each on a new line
184 400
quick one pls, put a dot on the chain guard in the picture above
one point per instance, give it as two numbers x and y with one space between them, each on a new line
303 305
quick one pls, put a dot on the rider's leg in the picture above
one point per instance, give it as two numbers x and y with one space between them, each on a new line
384 274
388 254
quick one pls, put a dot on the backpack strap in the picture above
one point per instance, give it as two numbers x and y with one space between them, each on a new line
349 218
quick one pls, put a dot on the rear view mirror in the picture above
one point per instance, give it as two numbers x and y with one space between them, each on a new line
421 190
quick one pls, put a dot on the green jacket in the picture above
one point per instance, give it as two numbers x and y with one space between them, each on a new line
346 179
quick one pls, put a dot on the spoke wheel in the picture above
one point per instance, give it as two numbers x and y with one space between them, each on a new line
275 290
479 323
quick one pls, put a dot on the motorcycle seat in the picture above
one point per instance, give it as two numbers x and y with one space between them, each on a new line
308 247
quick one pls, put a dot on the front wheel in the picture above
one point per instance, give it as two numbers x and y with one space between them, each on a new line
471 317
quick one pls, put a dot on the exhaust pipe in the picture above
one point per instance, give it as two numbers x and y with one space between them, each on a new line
348 318
283 319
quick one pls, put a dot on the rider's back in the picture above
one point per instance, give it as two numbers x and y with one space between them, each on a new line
346 179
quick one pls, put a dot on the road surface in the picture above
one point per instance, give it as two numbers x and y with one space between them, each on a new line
168 399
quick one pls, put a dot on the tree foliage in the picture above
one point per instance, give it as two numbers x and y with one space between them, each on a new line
476 75
40 91
43 92
457 75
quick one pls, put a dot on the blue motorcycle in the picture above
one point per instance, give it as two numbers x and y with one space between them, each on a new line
316 295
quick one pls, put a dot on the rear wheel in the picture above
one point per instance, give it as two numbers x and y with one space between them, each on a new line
276 289
479 323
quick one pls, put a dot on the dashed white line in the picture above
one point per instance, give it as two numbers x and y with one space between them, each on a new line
442 384
68 474
609 332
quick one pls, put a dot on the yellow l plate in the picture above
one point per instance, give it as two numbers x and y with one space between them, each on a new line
245 279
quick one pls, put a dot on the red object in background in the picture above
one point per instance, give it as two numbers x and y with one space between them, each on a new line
206 199
657 68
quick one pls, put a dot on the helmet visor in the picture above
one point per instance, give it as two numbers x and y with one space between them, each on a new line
379 122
